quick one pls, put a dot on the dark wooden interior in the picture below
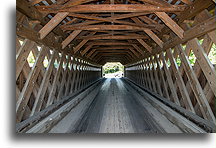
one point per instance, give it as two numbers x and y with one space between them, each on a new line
153 39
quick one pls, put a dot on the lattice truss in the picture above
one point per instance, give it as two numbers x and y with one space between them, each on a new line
172 74
45 76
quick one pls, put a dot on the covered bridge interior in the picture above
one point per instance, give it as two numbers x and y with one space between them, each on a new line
167 48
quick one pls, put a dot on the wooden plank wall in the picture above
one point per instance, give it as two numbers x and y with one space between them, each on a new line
47 77
171 74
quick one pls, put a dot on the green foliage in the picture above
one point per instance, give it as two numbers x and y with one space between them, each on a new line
31 59
192 58
168 63
45 62
113 67
212 54
178 61
56 64
201 41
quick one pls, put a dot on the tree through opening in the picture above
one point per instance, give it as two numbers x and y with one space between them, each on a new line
113 70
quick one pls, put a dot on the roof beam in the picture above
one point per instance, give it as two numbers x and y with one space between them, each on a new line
112 48
112 51
111 43
197 6
116 43
33 2
150 21
145 45
52 24
102 27
81 44
111 55
150 33
117 48
90 53
116 37
86 49
103 60
137 48
171 24
110 8
157 2
70 38
110 19
75 2
194 32
129 15
134 52
188 2
115 52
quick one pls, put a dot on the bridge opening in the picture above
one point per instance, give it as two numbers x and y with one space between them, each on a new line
113 70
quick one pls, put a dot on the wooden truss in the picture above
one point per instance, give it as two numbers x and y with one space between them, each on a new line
152 38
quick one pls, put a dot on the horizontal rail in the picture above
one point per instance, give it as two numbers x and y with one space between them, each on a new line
30 122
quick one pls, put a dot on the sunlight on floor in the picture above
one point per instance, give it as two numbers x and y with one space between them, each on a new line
114 75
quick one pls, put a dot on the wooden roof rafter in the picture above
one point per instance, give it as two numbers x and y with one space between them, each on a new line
134 24
109 8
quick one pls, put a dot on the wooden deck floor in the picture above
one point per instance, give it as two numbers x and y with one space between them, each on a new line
117 109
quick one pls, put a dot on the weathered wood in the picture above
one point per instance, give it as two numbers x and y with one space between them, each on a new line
151 77
110 8
209 126
109 43
157 79
82 43
31 34
138 49
187 1
180 82
198 92
166 94
67 91
171 24
205 64
134 52
30 82
150 33
46 123
191 11
164 69
33 2
103 27
52 24
170 81
110 37
157 2
86 49
145 45
43 87
21 57
28 10
75 2
112 20
91 54
70 38
55 80
60 92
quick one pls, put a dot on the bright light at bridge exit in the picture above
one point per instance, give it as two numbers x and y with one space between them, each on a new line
113 70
